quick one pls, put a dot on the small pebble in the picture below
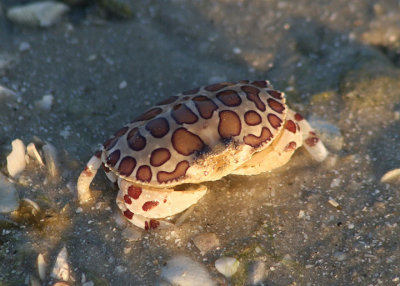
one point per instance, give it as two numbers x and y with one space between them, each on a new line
227 266
183 271
61 267
257 273
16 159
340 256
9 201
206 242
24 46
333 203
123 84
237 51
66 132
335 183
45 103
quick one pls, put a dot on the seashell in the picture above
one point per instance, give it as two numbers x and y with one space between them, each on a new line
16 159
33 153
61 267
41 266
43 14
51 159
183 271
391 176
5 92
227 266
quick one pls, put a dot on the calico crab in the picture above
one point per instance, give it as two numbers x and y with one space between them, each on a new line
160 159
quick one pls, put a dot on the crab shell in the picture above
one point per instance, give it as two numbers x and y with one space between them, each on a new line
159 159
198 135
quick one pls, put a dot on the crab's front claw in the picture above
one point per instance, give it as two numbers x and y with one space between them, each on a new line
86 178
311 142
143 206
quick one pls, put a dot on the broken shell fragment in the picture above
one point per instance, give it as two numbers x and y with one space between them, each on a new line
5 92
41 266
227 266
391 176
51 159
34 153
61 267
28 212
42 14
45 103
16 159
181 270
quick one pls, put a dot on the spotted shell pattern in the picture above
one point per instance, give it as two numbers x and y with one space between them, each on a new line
168 144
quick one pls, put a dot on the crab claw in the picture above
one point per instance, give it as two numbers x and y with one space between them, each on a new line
144 205
311 142
86 178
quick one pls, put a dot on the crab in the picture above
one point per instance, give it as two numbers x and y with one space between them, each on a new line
160 159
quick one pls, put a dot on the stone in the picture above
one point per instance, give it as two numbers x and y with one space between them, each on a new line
227 266
9 201
183 271
206 242
38 14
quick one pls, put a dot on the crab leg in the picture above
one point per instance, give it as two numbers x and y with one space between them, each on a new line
86 177
143 205
311 142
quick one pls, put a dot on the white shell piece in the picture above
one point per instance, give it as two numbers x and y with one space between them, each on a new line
34 206
45 103
183 271
33 153
5 92
227 266
51 159
61 267
43 14
41 266
16 159
391 176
